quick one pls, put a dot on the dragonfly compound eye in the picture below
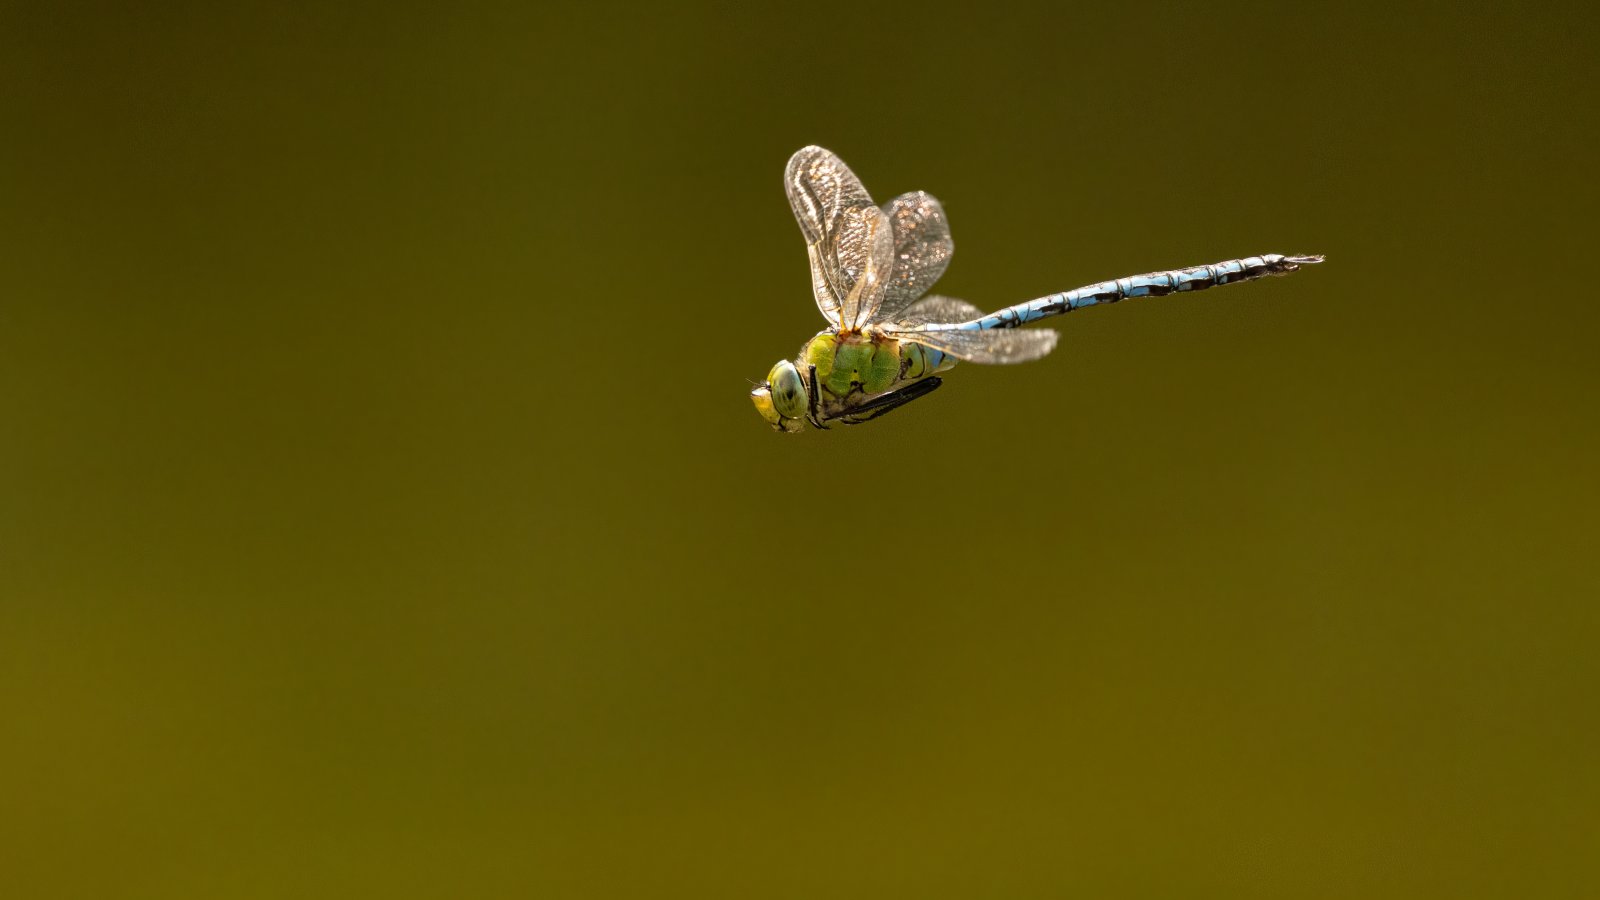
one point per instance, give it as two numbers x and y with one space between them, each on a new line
788 391
762 398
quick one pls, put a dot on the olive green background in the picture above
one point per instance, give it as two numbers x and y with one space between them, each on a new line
382 512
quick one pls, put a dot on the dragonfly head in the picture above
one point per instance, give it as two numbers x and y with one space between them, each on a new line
782 400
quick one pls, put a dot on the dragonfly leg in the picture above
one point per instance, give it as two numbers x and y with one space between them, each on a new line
813 399
887 403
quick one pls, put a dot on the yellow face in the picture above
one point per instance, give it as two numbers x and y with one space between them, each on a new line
782 400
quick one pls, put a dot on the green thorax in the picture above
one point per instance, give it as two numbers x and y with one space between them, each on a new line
870 362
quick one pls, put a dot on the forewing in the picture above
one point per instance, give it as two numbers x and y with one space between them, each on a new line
922 249
820 187
862 256
850 240
995 347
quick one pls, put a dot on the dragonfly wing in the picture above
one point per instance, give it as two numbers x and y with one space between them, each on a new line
994 346
935 310
862 257
922 248
850 240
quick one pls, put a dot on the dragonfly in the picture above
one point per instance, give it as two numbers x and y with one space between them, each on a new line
888 340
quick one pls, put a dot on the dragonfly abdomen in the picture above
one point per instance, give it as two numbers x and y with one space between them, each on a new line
1154 284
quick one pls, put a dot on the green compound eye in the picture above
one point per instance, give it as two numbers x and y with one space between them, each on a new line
788 391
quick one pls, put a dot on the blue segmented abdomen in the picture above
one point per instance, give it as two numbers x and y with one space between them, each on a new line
921 361
1154 284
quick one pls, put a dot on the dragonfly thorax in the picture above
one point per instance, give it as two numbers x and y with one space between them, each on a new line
852 363
836 374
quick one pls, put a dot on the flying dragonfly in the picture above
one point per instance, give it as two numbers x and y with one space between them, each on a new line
887 339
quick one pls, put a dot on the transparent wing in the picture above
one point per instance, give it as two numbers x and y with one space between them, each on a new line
850 240
995 346
820 188
936 310
862 257
922 249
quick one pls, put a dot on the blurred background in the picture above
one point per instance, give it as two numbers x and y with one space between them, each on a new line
382 511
